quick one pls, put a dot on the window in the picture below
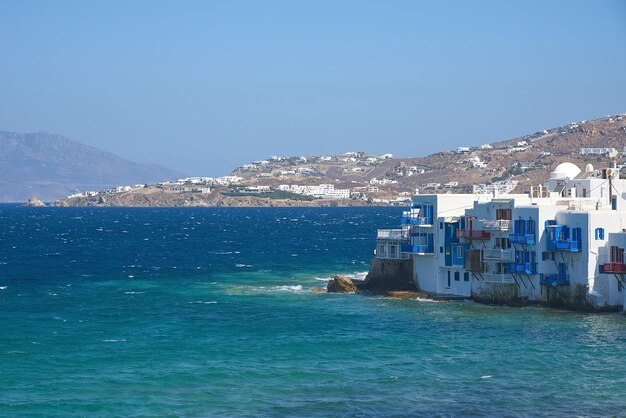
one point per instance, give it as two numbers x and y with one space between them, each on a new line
448 278
441 250
466 276
457 276
503 214
599 233
547 255
503 243
440 225
459 252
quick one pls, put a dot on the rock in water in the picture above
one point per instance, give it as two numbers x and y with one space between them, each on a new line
35 202
403 295
341 284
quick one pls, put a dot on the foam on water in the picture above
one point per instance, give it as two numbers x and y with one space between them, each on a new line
288 288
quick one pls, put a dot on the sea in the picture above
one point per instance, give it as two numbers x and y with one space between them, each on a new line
210 312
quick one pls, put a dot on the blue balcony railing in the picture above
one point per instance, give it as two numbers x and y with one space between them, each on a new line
411 220
528 239
570 245
417 248
559 279
523 268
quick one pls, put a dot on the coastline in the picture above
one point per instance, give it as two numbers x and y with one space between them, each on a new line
152 198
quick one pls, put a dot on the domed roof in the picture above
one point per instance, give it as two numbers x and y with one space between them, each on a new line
565 171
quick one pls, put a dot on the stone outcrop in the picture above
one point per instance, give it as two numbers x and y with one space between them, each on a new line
35 202
341 284
389 275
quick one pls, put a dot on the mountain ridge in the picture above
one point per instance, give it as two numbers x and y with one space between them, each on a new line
51 166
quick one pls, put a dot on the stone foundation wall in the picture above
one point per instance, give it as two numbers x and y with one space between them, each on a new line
389 275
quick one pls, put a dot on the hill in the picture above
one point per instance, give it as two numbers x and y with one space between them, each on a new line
526 160
51 167
358 178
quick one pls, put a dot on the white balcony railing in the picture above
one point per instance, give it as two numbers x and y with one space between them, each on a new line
389 234
498 278
499 225
498 254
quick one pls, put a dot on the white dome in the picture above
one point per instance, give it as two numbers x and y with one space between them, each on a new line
589 168
565 171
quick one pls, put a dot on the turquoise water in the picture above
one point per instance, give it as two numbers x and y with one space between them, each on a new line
208 312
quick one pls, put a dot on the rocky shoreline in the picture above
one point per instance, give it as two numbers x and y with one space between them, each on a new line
394 279
152 197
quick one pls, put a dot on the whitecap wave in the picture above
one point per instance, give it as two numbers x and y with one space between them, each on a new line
287 288
114 341
134 293
428 300
359 275
209 302
243 265
3 287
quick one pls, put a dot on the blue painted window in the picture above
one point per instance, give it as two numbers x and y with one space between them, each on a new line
457 276
441 250
440 225
459 251
599 233
448 278
466 276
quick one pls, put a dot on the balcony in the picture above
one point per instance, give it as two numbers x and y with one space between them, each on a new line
417 249
523 268
498 278
472 234
499 225
559 279
527 239
570 245
391 234
409 218
563 238
619 268
498 254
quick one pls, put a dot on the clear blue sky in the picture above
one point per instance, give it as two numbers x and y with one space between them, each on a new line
203 86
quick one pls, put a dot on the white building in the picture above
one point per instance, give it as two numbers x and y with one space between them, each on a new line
562 244
610 152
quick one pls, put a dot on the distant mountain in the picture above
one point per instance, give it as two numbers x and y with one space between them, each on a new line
51 166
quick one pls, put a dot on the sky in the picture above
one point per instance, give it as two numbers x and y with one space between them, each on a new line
205 86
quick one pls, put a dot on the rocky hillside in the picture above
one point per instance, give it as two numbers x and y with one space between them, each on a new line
156 197
51 167
358 178
527 159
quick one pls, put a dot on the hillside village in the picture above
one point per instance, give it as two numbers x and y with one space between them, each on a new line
359 178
